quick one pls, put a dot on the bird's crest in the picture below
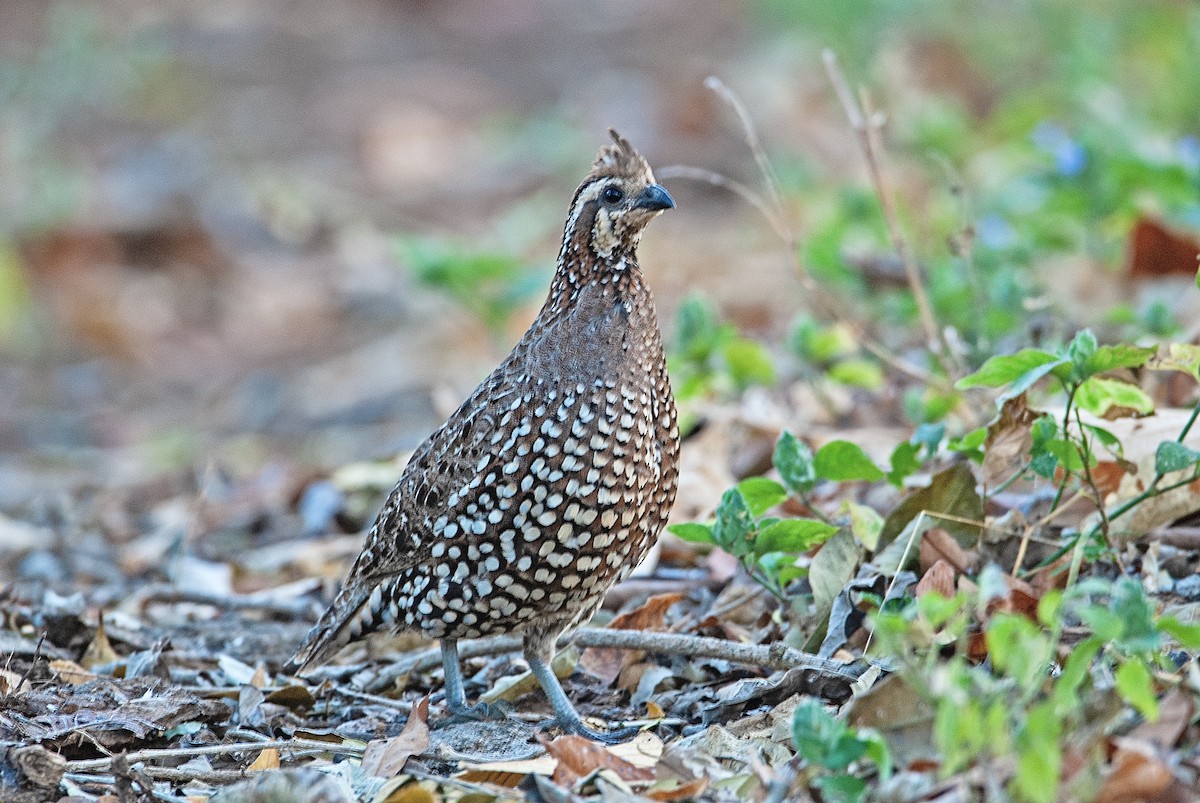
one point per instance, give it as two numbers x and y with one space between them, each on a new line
621 159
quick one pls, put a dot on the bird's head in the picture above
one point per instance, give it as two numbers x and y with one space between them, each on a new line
615 202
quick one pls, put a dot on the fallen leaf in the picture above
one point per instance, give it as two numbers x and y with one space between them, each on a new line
1137 773
386 757
675 790
1156 252
100 651
606 663
1175 712
937 544
952 492
12 683
1009 438
579 757
939 579
267 760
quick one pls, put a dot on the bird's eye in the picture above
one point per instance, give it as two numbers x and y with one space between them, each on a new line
612 195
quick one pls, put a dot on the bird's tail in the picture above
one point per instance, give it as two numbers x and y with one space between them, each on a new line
355 612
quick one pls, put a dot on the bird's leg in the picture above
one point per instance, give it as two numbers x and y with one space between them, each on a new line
456 696
539 649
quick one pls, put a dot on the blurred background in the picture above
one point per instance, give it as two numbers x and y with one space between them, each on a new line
260 240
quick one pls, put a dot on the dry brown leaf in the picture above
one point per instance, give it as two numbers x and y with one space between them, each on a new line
579 757
1009 439
937 544
100 651
410 793
681 791
1137 773
607 663
1175 712
939 579
260 680
267 760
1156 252
385 758
12 683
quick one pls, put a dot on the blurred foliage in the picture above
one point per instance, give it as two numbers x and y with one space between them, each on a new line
492 285
1050 129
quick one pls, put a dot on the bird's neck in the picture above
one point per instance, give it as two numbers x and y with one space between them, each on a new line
580 268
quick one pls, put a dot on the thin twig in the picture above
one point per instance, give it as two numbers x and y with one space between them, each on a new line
83 765
866 124
775 212
296 609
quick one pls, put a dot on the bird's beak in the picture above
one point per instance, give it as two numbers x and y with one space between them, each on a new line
655 198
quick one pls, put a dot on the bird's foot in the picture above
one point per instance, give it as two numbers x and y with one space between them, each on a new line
480 712
578 728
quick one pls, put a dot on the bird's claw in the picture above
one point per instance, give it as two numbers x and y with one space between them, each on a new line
480 712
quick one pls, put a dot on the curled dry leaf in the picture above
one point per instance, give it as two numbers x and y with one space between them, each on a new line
939 579
1009 439
100 651
606 663
1137 773
937 544
578 757
385 758
267 760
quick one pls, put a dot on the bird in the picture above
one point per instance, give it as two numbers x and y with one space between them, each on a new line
553 478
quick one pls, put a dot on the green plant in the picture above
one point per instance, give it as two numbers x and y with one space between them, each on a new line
831 749
709 357
491 285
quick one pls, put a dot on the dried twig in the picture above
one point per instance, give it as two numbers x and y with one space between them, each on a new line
774 210
295 609
84 765
866 124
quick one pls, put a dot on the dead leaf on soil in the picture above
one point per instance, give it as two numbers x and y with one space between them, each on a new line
1156 252
937 544
1009 439
939 579
1136 773
385 758
606 663
1175 712
100 651
267 760
579 757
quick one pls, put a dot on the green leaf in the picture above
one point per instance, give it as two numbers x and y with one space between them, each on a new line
904 462
842 461
733 524
858 372
841 788
1120 355
794 462
793 536
1188 635
1039 759
693 533
1097 396
815 731
748 362
1136 686
1075 672
1178 357
761 494
1080 351
1005 369
1174 456
865 523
